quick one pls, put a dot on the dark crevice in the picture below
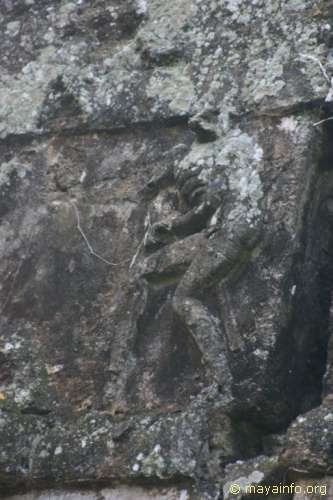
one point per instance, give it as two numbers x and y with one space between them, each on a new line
35 410
85 130
167 278
326 111
311 323
310 326
318 105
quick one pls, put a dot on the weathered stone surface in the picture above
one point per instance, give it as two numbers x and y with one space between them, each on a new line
312 488
121 493
70 63
166 245
241 476
244 167
309 441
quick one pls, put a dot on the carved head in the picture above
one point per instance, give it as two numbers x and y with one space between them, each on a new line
198 180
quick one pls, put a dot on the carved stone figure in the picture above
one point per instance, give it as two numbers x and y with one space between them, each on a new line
159 342
224 246
212 240
228 250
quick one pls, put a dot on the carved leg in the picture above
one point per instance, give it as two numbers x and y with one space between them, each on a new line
204 327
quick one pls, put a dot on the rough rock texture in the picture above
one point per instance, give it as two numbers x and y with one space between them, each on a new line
117 493
306 489
166 222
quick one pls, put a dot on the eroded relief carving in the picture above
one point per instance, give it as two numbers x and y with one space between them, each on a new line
213 238
101 383
229 258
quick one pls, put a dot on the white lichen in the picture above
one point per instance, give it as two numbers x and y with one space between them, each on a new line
22 396
58 450
243 482
172 87
288 125
83 176
141 7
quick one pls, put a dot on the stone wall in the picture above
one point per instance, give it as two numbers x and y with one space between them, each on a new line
166 218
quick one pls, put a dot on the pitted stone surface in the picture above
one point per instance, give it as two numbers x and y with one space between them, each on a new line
166 245
121 493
